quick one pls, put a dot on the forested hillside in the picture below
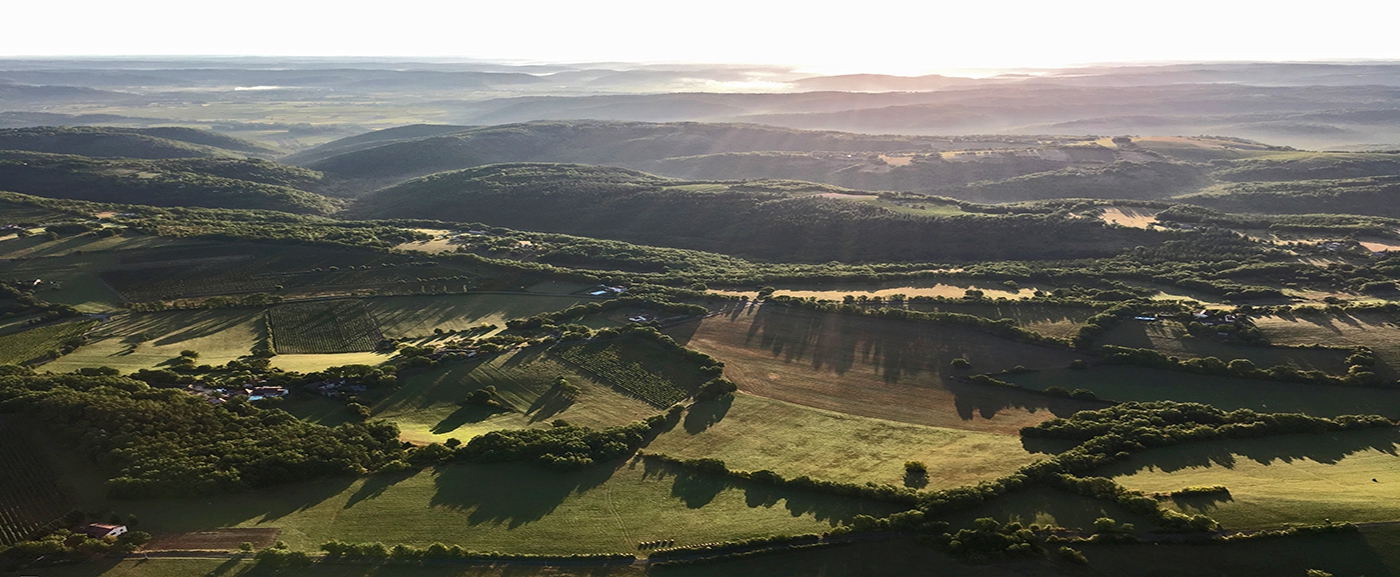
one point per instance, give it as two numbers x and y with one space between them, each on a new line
204 182
127 142
763 219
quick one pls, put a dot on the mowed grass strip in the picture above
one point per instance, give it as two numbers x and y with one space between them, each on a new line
881 368
514 508
1129 383
329 326
1171 338
1349 476
753 433
36 343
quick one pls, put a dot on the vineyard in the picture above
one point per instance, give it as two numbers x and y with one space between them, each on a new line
626 369
35 344
331 326
32 498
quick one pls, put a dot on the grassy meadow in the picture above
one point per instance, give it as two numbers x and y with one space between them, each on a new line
133 341
886 369
512 507
1350 476
1377 330
753 433
426 409
1130 383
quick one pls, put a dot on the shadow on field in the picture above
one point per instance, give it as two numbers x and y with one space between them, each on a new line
1202 503
511 494
703 415
375 485
464 415
168 328
985 401
549 405
697 490
1327 448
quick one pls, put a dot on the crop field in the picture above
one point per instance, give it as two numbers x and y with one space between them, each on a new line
1170 337
1377 330
1129 383
32 495
426 406
417 316
132 341
329 326
753 433
516 508
1130 216
639 368
1062 322
1349 476
886 369
22 347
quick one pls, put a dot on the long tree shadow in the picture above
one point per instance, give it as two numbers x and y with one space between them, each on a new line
1326 448
985 401
464 415
1202 503
375 485
512 494
549 405
703 415
697 489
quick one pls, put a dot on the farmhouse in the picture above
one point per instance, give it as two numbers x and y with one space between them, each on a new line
102 530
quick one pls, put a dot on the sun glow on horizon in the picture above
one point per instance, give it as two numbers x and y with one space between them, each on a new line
900 37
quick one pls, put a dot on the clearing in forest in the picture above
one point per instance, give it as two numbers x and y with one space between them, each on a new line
133 341
888 369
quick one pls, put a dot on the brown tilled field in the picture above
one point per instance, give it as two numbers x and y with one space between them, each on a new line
216 540
1378 330
888 369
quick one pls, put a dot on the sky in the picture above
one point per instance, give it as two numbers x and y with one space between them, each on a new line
894 37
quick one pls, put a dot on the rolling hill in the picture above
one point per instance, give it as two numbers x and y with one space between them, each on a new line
769 219
203 182
148 143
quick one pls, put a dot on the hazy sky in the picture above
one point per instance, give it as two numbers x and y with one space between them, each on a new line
892 36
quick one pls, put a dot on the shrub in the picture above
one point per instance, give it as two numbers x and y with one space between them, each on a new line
1073 556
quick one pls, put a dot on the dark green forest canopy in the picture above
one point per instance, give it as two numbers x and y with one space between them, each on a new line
150 143
166 442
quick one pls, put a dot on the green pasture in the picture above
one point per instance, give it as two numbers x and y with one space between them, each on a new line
513 507
24 346
753 433
132 341
1349 476
1130 383
417 316
75 275
1170 337
1377 330
426 409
